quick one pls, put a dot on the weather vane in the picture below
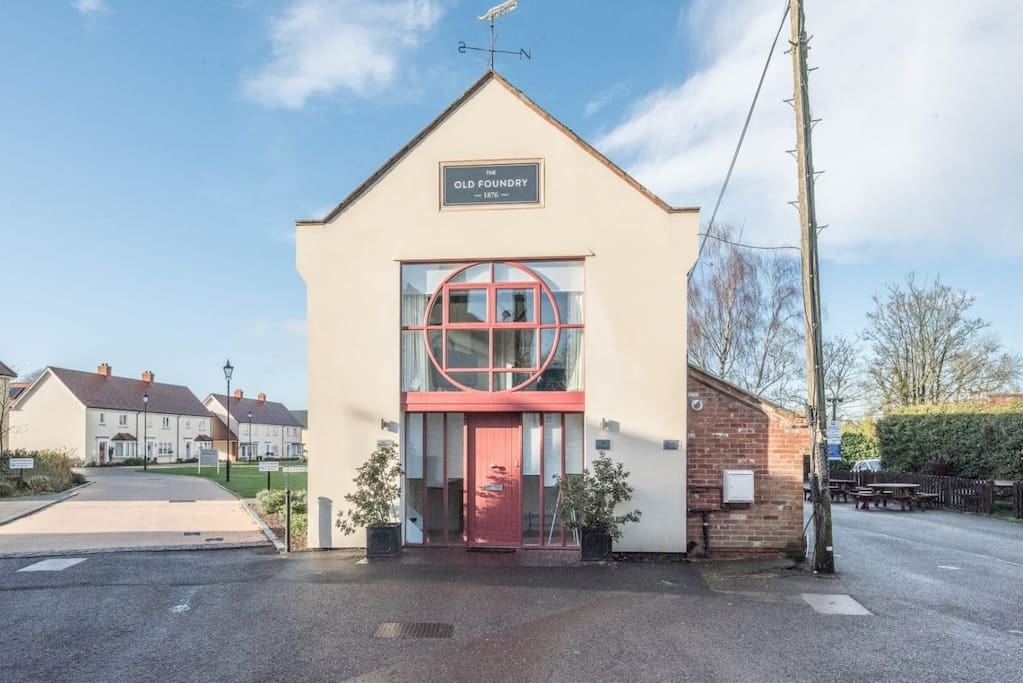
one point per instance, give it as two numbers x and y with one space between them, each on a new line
492 14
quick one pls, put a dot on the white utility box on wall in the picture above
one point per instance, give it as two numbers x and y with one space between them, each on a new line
737 486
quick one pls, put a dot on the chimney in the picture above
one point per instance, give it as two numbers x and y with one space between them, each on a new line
238 393
148 376
104 369
261 397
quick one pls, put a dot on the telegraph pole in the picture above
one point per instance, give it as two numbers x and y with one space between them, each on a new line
816 408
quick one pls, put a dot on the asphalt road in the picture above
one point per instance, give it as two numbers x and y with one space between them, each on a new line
941 589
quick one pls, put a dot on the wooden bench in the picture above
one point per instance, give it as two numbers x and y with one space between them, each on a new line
835 491
864 497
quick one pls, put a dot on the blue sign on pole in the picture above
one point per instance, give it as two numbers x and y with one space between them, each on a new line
834 451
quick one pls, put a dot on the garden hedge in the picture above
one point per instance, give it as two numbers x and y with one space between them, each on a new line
975 440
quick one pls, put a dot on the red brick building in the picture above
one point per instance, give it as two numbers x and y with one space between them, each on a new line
730 429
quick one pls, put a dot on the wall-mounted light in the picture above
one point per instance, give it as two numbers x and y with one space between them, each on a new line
696 405
384 423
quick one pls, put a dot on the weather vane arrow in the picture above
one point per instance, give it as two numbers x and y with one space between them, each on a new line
490 15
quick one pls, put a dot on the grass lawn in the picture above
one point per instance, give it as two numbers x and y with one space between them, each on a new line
246 480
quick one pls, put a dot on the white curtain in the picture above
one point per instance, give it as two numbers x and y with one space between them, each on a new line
415 364
573 342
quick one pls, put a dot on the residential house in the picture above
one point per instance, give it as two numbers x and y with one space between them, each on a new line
261 428
100 418
303 417
6 375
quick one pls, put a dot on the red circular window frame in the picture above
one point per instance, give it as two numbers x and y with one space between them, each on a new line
490 326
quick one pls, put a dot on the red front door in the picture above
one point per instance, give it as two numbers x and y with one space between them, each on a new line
495 447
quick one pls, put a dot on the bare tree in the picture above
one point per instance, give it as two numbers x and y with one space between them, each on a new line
745 318
843 370
926 349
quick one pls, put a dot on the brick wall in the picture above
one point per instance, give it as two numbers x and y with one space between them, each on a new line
735 430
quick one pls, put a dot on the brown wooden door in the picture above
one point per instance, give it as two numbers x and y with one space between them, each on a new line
495 445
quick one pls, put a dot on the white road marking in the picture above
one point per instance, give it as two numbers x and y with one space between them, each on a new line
184 606
56 564
1015 632
947 566
835 604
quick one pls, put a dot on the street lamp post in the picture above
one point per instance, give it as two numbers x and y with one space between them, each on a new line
251 446
228 371
145 432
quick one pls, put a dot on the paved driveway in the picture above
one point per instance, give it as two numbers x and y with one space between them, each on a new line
126 509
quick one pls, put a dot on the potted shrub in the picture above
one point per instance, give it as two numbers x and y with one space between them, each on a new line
588 503
373 503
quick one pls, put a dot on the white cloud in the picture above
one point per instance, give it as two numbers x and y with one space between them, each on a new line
606 97
90 6
919 135
323 46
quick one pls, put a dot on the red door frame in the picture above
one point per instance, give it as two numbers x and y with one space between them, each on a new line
512 422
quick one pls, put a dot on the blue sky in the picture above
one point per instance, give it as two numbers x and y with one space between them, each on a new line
155 155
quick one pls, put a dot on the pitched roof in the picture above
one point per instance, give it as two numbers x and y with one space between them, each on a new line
6 371
302 416
444 115
121 393
737 392
264 413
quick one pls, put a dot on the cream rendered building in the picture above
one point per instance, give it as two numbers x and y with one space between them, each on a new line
502 301
101 419
259 428
6 375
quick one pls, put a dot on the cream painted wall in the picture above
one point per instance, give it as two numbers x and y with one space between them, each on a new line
636 256
49 418
180 429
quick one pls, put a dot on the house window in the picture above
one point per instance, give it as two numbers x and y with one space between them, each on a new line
275 431
122 420
165 448
188 424
492 326
102 419
166 423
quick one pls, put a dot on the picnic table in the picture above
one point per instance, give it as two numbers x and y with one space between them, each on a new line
841 487
879 493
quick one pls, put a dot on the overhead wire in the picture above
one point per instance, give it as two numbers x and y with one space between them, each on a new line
738 146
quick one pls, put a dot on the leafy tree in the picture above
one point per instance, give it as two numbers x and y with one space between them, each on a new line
745 318
928 350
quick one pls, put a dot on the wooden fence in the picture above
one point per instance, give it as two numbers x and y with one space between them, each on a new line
954 493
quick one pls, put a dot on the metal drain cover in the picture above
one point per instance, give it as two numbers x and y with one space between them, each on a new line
394 629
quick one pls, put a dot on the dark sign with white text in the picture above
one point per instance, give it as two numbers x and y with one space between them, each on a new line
491 184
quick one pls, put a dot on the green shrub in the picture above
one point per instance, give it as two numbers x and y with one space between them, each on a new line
132 462
299 524
77 479
40 483
271 502
298 502
7 488
976 440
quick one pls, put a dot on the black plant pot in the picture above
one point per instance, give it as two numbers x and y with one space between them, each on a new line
596 544
383 540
